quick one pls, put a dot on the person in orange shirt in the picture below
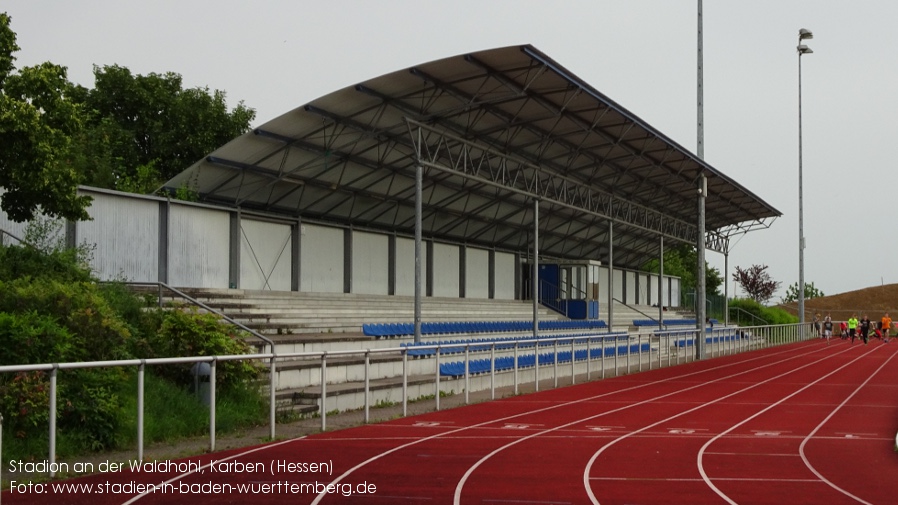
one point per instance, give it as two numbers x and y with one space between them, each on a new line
886 326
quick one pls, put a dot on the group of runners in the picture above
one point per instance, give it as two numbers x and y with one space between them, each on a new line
855 328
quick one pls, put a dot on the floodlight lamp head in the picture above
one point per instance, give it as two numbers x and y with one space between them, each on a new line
805 34
803 49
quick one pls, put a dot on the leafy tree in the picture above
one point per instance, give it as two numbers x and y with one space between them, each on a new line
37 122
680 261
809 292
756 282
144 129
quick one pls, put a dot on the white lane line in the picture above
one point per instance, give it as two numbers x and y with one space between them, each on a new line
470 471
701 468
595 456
185 474
799 352
822 423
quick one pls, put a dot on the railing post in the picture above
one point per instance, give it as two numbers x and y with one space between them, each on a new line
516 367
467 371
555 361
616 349
367 383
536 365
405 382
212 368
324 391
53 419
588 356
272 395
493 371
436 388
140 408
629 348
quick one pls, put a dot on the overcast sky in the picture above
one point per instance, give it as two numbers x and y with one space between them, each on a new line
277 55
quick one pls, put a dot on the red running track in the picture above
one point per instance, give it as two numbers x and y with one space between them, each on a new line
807 423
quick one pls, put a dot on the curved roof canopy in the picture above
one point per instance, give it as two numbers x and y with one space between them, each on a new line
493 130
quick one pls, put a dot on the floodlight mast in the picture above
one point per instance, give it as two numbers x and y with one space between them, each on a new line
803 34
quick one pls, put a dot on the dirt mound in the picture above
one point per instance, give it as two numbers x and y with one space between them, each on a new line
873 301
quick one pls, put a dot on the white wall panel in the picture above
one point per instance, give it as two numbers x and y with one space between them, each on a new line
505 275
477 273
675 292
642 297
125 233
199 247
603 286
17 229
370 263
630 279
653 289
321 249
445 270
618 284
265 255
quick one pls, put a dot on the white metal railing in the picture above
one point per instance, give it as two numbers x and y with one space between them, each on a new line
723 341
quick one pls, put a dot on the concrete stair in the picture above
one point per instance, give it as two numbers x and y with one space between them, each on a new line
316 322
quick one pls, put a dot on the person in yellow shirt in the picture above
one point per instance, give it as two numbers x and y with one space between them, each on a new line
852 326
886 326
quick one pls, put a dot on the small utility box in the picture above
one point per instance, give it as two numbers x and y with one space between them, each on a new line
201 372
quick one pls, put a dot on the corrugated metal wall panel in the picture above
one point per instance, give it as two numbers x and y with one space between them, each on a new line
505 275
643 294
125 234
445 270
618 284
477 273
199 247
630 279
265 255
322 259
370 263
674 292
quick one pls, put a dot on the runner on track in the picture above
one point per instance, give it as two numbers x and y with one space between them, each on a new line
852 327
886 326
865 328
827 327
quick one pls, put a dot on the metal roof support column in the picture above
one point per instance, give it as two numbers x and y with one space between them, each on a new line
234 251
491 290
419 177
700 309
535 284
611 275
462 271
726 289
296 255
347 259
391 265
661 284
162 240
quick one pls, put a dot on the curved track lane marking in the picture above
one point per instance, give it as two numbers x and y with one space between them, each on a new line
822 423
372 459
185 474
470 471
701 451
595 456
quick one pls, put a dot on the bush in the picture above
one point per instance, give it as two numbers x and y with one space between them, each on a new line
52 311
186 332
94 331
770 315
